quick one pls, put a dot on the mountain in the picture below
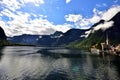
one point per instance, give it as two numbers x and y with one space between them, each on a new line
2 34
114 32
55 39
3 38
24 39
49 40
70 36
99 36
76 36
40 40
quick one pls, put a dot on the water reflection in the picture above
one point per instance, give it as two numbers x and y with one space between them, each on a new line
116 62
29 67
1 50
91 68
24 63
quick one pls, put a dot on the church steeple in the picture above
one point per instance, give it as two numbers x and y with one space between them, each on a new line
107 41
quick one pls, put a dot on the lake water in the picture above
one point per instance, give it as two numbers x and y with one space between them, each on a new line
30 63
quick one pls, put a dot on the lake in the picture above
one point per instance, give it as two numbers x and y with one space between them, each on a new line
44 63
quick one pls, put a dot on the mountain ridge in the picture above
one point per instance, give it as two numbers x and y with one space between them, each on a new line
56 39
99 36
3 37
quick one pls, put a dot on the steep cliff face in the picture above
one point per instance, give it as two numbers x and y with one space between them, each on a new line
2 34
3 38
113 32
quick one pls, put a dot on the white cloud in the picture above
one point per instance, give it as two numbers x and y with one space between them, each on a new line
73 17
67 1
82 24
96 16
5 27
104 26
63 28
37 26
107 15
36 2
17 4
21 23
85 23
95 19
12 5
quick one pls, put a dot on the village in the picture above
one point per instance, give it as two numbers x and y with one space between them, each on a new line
106 48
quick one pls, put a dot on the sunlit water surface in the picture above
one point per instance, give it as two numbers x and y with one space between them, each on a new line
27 63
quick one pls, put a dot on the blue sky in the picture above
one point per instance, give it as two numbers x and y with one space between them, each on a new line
47 16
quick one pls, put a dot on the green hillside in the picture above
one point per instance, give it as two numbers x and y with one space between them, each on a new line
92 39
99 36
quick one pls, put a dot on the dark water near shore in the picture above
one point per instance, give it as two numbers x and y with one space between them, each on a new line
27 63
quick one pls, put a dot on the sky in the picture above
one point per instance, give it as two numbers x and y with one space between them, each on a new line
44 17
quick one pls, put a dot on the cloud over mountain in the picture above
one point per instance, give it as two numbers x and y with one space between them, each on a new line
45 17
104 25
107 15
